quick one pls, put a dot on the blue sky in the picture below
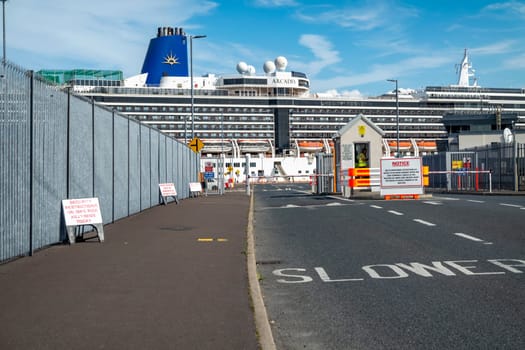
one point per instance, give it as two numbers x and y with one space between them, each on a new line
351 47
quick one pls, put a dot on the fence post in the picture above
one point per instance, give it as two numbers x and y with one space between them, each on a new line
31 161
515 164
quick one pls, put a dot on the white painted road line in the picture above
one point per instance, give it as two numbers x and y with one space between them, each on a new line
464 235
395 212
472 238
512 205
290 206
376 207
424 222
475 201
432 203
448 198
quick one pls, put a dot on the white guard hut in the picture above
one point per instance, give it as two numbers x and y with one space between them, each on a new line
359 144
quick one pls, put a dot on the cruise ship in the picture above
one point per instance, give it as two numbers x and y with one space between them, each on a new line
275 113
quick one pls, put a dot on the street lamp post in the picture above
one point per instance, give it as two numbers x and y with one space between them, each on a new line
191 81
397 115
3 29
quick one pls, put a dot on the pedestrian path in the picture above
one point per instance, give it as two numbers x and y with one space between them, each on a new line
171 277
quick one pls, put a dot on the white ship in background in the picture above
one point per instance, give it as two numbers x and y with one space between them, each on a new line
273 116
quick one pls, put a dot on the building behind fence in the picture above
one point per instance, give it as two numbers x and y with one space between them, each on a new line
55 145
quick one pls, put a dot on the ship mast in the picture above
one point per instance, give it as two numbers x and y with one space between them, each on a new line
466 72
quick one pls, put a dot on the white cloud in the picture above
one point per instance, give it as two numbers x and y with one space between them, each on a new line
515 62
98 33
322 49
372 15
494 49
510 7
275 3
382 72
344 93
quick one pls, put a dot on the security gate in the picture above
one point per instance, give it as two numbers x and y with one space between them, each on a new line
520 166
213 175
325 173
495 167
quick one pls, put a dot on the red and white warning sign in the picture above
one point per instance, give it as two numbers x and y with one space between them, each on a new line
401 176
168 189
83 211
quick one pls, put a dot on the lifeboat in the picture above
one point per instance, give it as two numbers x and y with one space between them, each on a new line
217 146
310 146
403 145
427 145
253 145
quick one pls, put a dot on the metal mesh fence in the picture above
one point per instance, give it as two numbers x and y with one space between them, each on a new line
496 167
55 146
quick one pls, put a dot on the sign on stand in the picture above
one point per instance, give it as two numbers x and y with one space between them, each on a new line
195 189
82 212
168 190
401 176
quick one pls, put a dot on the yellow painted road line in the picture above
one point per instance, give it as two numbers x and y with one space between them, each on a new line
212 239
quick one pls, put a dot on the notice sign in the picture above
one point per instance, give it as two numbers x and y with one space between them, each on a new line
168 190
195 187
82 211
401 176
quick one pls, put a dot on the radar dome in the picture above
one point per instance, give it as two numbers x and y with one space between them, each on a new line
251 70
281 63
269 67
242 67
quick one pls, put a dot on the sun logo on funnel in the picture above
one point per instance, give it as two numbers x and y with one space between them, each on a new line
171 59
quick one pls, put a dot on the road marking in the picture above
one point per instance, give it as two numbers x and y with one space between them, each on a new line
449 198
475 201
512 205
313 206
376 207
340 199
208 240
424 222
433 203
395 212
392 271
472 238
464 235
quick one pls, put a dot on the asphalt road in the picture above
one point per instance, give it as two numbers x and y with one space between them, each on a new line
447 272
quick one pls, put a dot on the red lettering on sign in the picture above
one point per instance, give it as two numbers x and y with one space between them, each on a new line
401 163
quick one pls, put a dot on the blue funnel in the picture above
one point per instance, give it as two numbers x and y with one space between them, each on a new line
167 55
